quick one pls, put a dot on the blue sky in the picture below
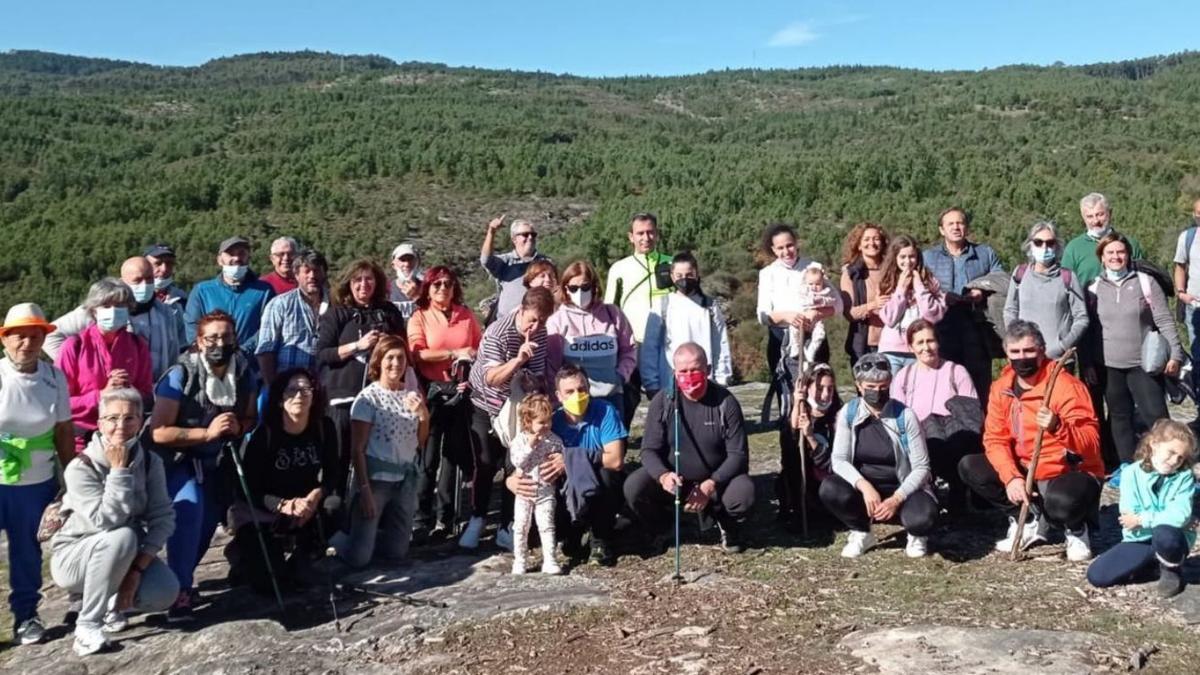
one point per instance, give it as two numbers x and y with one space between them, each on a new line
616 37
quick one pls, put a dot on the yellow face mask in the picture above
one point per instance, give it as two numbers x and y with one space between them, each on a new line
577 403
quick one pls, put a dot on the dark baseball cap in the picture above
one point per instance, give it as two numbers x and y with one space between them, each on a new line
159 251
231 242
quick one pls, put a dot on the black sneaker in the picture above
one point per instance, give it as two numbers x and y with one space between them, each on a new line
1170 583
730 541
602 554
181 611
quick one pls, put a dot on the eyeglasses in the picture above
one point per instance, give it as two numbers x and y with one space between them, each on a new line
575 288
525 235
283 254
1043 243
442 283
121 419
214 340
293 392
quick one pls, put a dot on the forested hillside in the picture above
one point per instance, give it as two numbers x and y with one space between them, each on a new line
354 154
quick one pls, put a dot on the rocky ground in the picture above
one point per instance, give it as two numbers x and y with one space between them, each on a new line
788 604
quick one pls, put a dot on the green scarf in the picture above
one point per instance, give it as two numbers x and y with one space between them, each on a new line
18 454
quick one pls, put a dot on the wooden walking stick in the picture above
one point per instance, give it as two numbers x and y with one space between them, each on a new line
1030 478
800 441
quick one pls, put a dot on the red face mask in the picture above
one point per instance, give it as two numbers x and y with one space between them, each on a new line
693 383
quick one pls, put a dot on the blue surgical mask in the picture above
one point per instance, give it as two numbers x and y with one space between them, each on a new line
1116 275
234 273
112 318
142 293
1044 255
160 284
1099 233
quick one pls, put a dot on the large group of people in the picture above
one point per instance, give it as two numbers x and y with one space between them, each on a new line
316 417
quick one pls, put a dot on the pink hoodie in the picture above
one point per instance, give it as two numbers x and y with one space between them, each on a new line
927 303
608 353
86 361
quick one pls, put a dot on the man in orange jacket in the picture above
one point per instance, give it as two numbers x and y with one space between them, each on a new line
1069 469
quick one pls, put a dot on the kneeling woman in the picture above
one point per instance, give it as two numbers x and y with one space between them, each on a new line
881 469
291 464
388 426
120 518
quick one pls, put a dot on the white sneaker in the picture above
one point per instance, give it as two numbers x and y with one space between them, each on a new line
550 565
504 538
470 535
115 622
858 543
917 547
88 640
1033 533
1078 548
518 567
30 632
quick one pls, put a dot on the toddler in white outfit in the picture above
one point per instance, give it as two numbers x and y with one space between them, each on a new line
534 444
816 294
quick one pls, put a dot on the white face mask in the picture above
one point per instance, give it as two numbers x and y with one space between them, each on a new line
234 273
162 283
1099 233
401 276
129 442
581 298
142 293
815 405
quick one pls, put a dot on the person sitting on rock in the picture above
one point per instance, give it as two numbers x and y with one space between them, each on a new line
713 467
1068 489
1156 512
880 466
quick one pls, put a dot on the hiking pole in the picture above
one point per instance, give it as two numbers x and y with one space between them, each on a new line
801 441
1030 478
329 552
262 542
674 398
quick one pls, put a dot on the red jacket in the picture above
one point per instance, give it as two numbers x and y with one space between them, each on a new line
1011 427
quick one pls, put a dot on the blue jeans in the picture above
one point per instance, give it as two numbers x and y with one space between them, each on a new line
21 508
197 512
1129 560
1193 322
898 361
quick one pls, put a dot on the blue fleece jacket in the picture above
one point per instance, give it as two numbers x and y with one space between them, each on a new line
244 302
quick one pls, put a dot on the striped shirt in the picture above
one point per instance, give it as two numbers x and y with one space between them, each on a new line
289 330
501 342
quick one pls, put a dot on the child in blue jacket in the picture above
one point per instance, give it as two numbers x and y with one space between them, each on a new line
1156 512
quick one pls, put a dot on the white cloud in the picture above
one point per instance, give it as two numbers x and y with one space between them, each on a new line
793 35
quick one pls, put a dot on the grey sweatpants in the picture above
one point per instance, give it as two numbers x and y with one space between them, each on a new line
95 565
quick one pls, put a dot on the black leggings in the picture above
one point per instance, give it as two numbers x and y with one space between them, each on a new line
340 416
652 505
918 513
1070 500
489 456
1125 388
447 451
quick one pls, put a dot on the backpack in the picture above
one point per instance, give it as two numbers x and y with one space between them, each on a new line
852 412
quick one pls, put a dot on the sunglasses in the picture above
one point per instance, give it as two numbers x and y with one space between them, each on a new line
581 287
1043 243
525 235
292 392
442 283
863 368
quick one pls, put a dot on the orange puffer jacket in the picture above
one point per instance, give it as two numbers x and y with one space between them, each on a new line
1011 427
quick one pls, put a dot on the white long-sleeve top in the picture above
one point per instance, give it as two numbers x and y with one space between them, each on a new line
782 288
678 319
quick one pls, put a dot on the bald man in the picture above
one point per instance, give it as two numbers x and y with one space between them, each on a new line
160 323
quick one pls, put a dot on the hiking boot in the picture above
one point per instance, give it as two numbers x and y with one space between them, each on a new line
88 640
75 604
917 547
1170 582
858 543
30 632
602 554
1033 533
440 531
470 536
574 548
658 544
731 542
181 611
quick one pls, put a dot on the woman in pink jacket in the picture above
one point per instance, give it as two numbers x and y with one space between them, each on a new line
104 356
587 332
912 293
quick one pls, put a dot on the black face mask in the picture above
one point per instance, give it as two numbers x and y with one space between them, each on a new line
1025 367
688 286
218 355
876 398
